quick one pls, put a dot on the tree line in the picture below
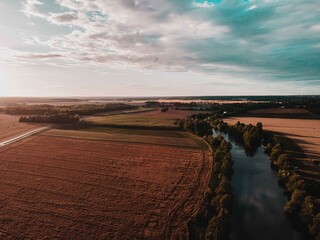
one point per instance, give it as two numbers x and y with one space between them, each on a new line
84 109
229 109
303 206
250 135
60 114
60 118
212 221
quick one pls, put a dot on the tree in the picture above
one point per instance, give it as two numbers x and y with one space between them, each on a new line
293 206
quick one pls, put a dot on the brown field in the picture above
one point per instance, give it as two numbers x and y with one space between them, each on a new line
11 127
180 141
281 113
66 188
305 132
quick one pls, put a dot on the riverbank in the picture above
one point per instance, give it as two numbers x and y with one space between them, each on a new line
258 199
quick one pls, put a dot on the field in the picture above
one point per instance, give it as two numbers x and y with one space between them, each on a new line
130 120
305 132
150 119
66 188
10 127
89 181
179 141
171 114
130 111
297 113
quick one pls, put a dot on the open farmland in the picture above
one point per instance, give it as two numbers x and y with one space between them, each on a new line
134 131
66 188
11 127
170 114
305 132
297 113
147 119
182 140
132 120
130 111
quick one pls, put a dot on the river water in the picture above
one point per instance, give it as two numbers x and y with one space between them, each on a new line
258 199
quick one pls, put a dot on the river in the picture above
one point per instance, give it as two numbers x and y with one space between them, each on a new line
258 199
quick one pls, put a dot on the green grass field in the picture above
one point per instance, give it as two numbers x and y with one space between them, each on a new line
132 121
139 110
179 140
131 131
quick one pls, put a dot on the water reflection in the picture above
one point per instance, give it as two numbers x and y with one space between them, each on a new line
258 200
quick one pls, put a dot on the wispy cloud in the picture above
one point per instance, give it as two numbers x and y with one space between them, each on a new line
260 40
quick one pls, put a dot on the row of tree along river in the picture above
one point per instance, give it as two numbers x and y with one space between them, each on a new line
249 196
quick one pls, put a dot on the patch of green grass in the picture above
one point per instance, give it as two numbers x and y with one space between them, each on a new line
183 141
131 131
201 143
132 121
139 110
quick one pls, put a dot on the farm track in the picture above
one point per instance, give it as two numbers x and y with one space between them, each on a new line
63 188
22 136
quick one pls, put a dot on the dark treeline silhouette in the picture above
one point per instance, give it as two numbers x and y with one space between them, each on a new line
60 114
311 103
303 206
216 108
60 118
84 109
31 109
213 218
212 221
227 109
250 135
195 125
201 125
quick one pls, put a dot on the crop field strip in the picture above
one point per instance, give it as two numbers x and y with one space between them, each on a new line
144 132
101 189
158 140
133 120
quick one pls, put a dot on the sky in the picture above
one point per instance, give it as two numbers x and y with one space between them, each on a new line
159 47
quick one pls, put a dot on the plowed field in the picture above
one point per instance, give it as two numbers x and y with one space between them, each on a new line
11 127
65 188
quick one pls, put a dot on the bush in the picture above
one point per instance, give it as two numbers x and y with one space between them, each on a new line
293 206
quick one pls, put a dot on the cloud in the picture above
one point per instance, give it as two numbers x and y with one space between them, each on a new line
63 18
315 27
30 8
41 56
267 39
